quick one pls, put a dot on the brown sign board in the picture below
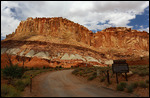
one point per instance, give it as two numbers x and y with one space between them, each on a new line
120 66
119 61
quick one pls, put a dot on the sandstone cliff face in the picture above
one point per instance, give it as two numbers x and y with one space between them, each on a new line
121 37
60 28
52 37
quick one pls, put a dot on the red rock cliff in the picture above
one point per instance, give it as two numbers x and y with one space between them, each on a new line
121 37
64 31
51 28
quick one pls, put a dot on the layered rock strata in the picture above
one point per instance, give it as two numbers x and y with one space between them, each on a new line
53 54
59 41
121 37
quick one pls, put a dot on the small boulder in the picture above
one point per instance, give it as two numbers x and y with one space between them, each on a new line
130 73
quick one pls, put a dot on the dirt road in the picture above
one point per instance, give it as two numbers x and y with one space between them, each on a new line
64 84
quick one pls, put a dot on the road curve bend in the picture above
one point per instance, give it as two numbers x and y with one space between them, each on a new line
64 84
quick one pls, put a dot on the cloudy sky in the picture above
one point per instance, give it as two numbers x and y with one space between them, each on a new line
95 15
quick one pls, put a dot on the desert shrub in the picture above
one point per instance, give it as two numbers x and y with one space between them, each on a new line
80 73
143 73
134 85
135 71
143 84
120 88
91 77
60 67
123 84
37 68
102 79
130 88
32 68
82 68
26 81
13 71
141 70
88 70
26 68
20 85
94 74
44 67
9 91
75 71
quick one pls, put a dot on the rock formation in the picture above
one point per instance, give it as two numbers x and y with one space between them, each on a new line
121 37
61 42
51 29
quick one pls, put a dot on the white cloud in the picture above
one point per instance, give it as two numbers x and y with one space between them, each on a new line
142 28
118 13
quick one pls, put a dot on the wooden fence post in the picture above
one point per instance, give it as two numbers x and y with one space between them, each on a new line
126 76
108 76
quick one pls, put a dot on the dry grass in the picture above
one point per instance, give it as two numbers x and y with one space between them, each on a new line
133 85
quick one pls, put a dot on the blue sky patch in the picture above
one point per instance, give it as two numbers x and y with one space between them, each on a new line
140 20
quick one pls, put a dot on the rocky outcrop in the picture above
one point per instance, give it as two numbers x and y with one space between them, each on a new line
61 55
58 27
59 41
62 30
121 37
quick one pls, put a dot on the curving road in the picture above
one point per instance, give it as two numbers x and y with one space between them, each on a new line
64 84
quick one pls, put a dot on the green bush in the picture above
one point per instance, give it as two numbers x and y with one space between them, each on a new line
44 67
37 68
94 74
120 87
48 67
88 71
57 67
26 82
123 84
60 67
9 91
20 85
13 71
75 71
31 68
26 68
80 73
143 84
129 88
143 73
134 85
91 77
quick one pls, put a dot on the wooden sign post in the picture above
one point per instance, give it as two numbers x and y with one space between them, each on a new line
120 66
108 77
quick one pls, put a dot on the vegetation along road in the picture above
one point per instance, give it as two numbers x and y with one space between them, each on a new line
64 84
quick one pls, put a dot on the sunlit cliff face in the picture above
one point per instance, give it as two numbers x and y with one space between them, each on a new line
61 40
